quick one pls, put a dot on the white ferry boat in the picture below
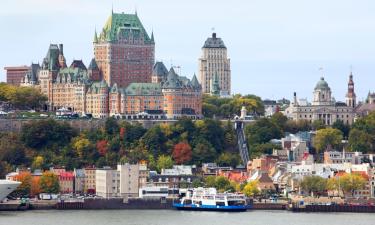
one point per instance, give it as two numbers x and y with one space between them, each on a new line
207 199
6 187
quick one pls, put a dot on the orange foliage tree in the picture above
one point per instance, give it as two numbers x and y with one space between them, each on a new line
182 153
102 147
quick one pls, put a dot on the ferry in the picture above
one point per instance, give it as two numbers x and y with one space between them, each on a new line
6 187
207 199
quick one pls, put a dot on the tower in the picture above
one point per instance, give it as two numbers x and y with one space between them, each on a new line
214 61
322 93
123 50
350 95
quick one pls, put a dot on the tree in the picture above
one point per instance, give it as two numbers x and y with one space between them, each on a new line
154 140
49 183
279 120
45 133
203 152
102 147
313 184
360 141
223 184
262 131
318 124
228 159
25 187
38 162
12 149
327 138
182 153
209 181
251 189
351 182
164 162
344 128
111 126
81 145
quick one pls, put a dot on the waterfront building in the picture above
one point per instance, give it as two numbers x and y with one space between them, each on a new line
123 50
15 74
90 180
66 182
214 62
107 182
324 107
129 180
79 180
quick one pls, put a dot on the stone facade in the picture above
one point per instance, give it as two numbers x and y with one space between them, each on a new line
324 107
215 62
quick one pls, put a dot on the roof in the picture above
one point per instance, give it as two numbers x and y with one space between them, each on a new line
322 85
143 89
97 85
121 24
172 81
51 61
71 74
78 64
159 70
195 83
93 65
264 178
214 42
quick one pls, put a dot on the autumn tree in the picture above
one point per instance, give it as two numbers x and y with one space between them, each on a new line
351 182
164 162
49 183
327 138
251 189
81 145
102 147
182 153
25 187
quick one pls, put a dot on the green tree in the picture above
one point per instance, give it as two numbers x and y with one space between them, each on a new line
45 133
251 189
262 131
279 120
164 162
228 159
327 138
318 124
360 141
49 183
222 184
313 184
154 140
111 126
344 128
203 152
210 181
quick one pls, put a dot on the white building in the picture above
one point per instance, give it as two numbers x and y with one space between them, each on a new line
129 180
178 170
324 107
107 182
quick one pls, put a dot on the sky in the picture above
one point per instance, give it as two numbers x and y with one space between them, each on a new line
276 47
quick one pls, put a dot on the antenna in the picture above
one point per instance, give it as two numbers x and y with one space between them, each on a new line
321 70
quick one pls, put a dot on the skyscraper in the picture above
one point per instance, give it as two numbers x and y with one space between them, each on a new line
124 52
215 62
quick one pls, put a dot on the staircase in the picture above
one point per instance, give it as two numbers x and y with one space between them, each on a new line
241 140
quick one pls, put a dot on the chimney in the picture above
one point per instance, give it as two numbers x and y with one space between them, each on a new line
295 99
213 35
61 49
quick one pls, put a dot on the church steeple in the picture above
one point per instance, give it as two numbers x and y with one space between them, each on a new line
350 95
95 37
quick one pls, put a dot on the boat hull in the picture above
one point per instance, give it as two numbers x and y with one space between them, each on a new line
241 208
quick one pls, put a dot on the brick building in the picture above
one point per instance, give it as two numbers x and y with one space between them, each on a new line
15 74
124 52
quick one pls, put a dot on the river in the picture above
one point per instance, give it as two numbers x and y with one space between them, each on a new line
169 217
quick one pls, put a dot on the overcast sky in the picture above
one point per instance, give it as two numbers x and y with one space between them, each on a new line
276 47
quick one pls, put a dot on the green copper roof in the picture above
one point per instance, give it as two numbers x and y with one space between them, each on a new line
121 24
143 89
72 74
215 87
322 84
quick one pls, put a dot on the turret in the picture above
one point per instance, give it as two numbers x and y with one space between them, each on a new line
350 95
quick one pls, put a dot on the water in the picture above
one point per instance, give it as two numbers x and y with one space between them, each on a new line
167 217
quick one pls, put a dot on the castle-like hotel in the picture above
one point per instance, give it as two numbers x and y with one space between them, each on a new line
121 80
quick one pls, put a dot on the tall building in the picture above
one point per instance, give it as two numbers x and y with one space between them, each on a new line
324 107
124 52
215 62
350 96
